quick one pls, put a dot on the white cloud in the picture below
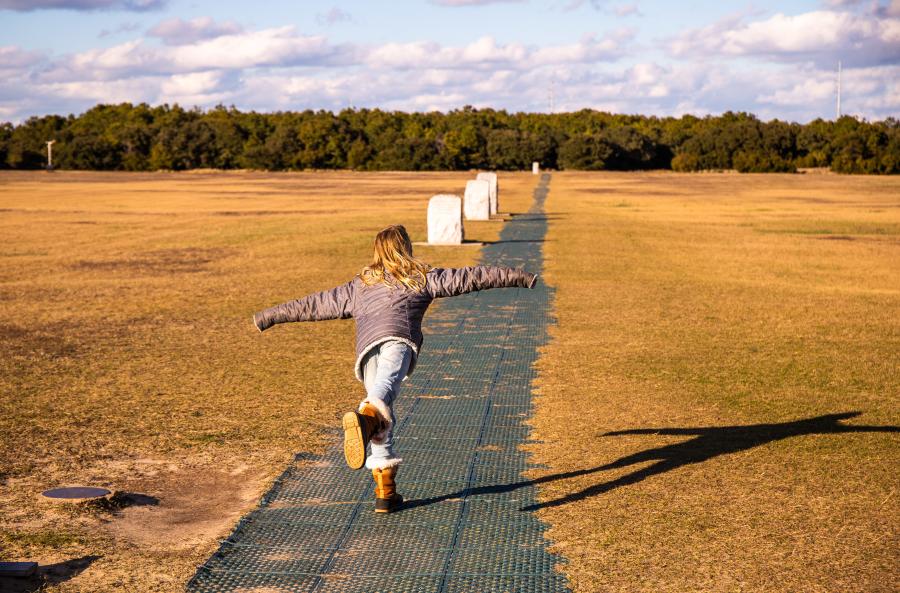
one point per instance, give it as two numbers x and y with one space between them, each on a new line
804 92
280 47
267 47
195 83
821 36
280 68
485 53
180 32
13 57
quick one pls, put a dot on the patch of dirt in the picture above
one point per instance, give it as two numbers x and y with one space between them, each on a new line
65 339
274 212
44 342
196 504
160 262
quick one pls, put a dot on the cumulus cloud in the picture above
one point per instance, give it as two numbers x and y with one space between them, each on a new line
281 46
278 47
204 62
131 5
176 31
485 53
819 87
820 36
13 57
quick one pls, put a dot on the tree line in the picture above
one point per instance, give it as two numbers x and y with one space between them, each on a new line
145 138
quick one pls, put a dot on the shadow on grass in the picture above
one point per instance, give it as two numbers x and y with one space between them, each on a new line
708 442
47 574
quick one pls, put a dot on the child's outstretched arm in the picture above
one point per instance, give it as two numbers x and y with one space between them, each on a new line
446 282
328 304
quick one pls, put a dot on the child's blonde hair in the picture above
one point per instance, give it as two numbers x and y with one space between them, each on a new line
393 255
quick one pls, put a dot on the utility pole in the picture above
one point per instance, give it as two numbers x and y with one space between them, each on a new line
838 92
50 154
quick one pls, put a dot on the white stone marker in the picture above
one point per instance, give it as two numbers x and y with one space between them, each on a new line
491 178
535 168
445 222
477 205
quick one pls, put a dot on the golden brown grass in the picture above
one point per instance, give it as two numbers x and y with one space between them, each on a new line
720 300
128 358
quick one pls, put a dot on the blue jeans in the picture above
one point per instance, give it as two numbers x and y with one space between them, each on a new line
384 367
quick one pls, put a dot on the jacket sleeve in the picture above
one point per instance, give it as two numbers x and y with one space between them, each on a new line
447 282
328 304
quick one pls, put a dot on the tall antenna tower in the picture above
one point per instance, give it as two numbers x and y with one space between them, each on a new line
551 93
838 109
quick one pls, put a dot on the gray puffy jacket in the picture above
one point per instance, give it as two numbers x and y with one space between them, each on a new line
384 312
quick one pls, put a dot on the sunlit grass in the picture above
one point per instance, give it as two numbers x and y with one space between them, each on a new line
129 359
715 301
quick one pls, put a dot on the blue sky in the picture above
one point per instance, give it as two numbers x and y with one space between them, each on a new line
776 59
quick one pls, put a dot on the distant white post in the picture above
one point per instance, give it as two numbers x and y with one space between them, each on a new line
491 178
50 153
535 168
445 220
477 202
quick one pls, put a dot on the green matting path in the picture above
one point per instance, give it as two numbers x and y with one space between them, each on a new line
460 421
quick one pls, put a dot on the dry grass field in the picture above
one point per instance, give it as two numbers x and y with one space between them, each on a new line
714 321
720 402
128 358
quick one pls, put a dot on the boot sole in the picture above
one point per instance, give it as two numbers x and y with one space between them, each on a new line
354 443
383 505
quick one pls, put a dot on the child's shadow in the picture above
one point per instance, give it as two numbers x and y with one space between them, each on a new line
708 442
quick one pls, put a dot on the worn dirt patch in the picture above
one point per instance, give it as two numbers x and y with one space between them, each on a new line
196 504
45 342
274 212
159 262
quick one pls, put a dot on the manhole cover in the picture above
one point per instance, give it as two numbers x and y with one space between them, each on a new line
74 493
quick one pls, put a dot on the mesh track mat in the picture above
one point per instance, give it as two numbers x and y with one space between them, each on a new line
461 419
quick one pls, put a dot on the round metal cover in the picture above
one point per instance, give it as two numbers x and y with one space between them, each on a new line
74 493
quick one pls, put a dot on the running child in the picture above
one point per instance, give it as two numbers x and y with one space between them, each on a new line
388 299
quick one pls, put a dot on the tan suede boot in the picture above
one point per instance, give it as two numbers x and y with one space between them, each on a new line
386 497
358 429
